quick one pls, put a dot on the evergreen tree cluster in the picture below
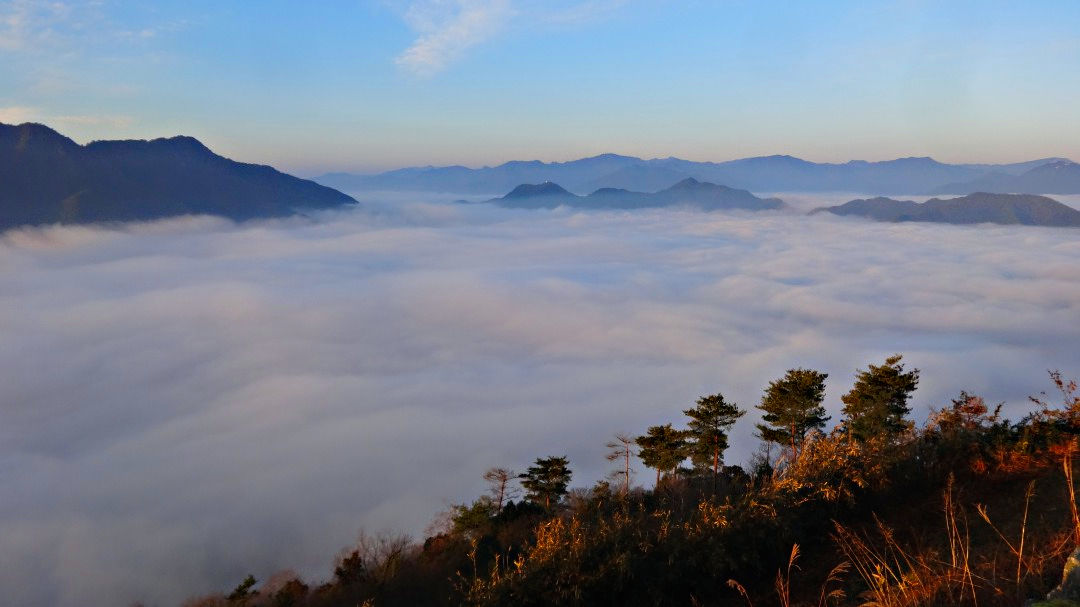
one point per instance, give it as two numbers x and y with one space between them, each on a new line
875 511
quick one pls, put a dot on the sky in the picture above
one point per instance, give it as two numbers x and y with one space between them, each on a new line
189 401
368 85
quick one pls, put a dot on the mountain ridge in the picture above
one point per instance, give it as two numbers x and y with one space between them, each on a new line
774 173
1061 176
980 207
46 177
688 192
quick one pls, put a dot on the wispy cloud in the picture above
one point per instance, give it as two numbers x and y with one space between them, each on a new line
15 114
447 28
28 24
51 27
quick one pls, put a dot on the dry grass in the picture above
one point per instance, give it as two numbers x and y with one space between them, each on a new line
960 574
782 584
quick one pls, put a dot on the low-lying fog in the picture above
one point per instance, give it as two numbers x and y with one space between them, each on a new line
188 401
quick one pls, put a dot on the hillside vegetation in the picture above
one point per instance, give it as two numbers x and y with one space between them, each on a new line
968 509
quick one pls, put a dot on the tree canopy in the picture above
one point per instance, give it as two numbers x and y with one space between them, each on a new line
710 421
546 481
663 448
877 404
791 407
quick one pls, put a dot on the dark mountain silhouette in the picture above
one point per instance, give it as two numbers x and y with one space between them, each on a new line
688 192
48 178
640 178
981 207
759 174
1057 177
543 190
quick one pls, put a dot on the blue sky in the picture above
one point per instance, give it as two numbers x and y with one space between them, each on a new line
355 85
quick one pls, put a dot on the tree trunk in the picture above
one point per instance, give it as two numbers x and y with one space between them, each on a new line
715 461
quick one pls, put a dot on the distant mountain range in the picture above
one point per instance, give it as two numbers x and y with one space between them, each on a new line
47 178
760 174
981 207
1059 177
689 193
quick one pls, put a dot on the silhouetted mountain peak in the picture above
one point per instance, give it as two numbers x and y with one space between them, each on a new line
610 192
608 156
689 192
980 207
1053 167
48 178
530 190
917 161
693 185
1061 176
180 144
781 159
184 143
686 184
33 134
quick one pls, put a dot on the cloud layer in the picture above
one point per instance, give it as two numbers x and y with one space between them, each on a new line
188 401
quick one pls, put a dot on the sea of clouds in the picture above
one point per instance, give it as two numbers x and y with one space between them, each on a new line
187 401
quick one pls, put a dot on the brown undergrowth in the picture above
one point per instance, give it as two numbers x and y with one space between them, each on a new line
969 509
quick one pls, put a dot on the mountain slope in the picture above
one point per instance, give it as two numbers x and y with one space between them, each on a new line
48 178
688 192
645 177
1057 177
981 207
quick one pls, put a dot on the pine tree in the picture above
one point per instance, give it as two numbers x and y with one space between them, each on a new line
878 402
621 450
792 407
499 480
546 482
662 448
243 593
709 424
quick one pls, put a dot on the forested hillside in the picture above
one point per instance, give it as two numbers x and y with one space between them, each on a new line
969 508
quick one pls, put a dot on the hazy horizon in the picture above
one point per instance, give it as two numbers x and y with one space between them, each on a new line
313 173
372 171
